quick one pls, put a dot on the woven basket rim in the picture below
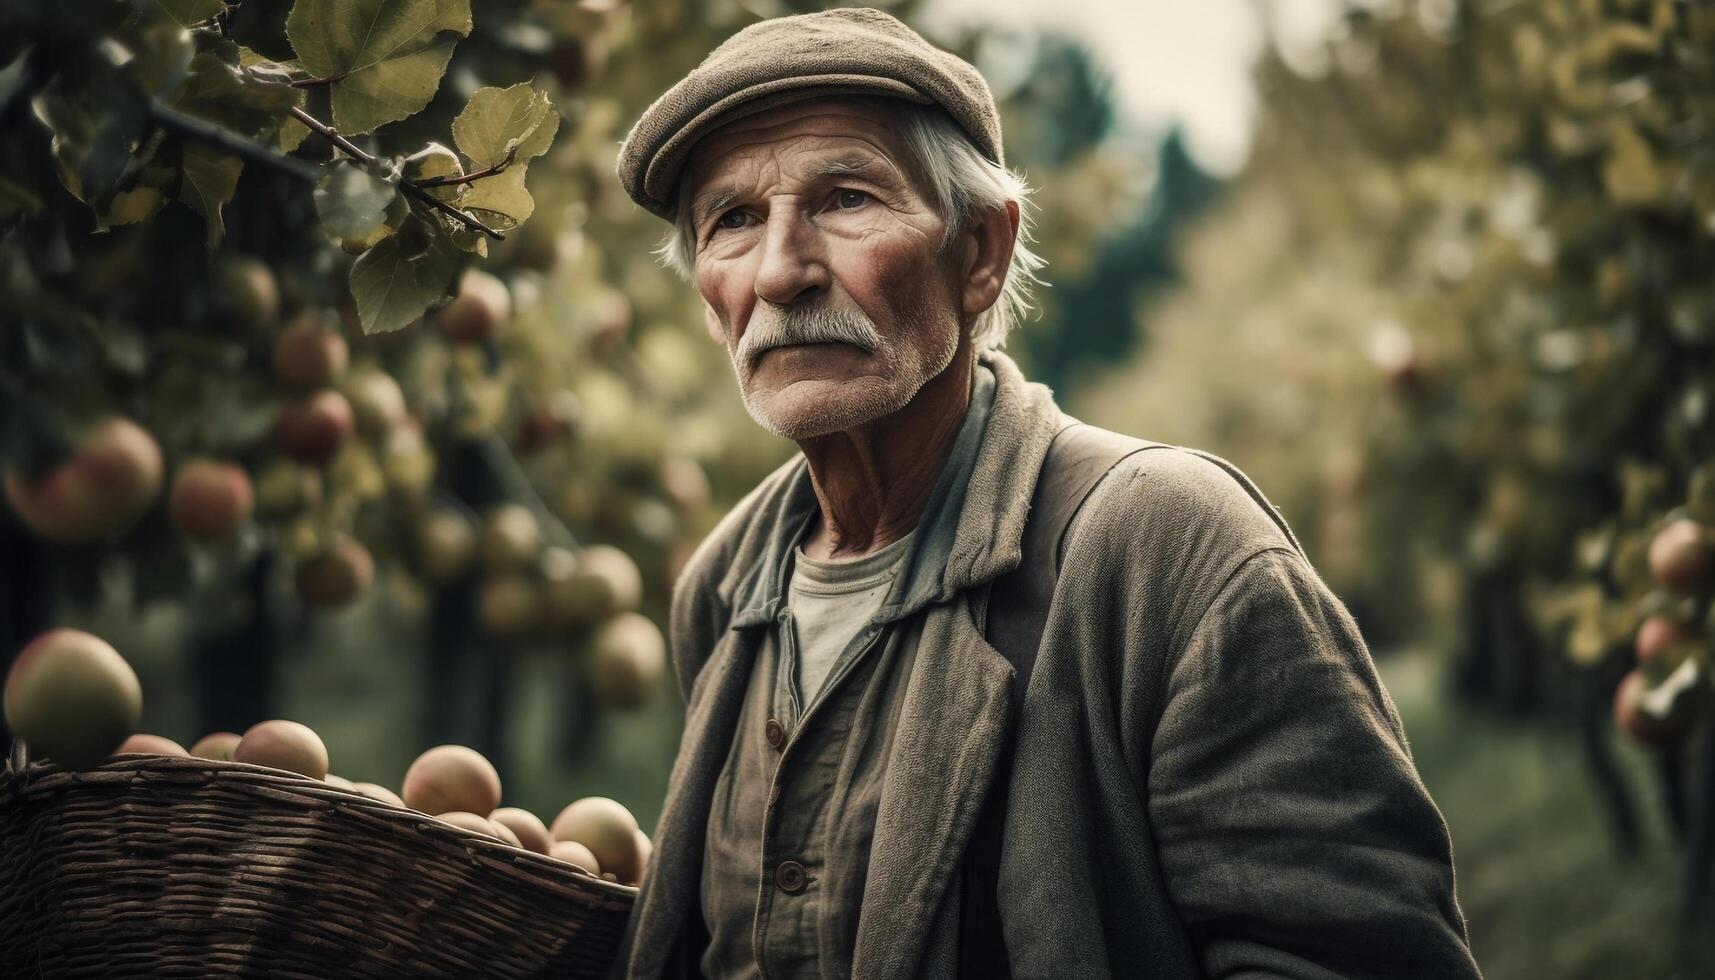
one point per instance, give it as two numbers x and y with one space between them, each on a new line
45 777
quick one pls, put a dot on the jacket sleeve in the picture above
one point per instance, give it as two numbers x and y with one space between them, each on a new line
1295 835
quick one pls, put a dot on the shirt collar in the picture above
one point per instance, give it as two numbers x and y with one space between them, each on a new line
972 526
921 573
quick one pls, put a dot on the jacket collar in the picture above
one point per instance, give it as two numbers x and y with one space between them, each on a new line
972 527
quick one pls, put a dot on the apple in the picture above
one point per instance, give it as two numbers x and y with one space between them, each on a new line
309 355
469 821
337 575
152 745
379 793
685 483
246 292
510 603
531 832
281 744
211 499
476 313
511 537
605 582
605 827
314 427
1681 555
549 423
576 855
1658 636
452 777
629 658
446 543
377 401
285 487
217 746
72 697
645 848
111 479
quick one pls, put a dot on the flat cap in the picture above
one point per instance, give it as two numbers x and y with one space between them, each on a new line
850 51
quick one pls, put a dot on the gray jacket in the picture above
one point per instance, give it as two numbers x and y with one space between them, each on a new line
1209 778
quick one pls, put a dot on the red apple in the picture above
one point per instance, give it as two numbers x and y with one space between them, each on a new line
281 744
452 777
314 427
112 478
1658 635
1681 555
309 355
337 575
481 306
211 499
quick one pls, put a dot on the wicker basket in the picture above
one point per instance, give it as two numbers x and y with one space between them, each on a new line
150 866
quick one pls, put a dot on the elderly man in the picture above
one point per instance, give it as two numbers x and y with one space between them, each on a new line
973 689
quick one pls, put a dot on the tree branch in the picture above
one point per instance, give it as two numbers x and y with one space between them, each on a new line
411 188
470 177
313 82
203 131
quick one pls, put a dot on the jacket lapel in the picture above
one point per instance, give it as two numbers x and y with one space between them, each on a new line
958 705
957 711
670 885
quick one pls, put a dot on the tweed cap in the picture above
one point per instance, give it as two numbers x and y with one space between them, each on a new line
851 51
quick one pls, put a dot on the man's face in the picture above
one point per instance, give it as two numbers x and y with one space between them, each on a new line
819 259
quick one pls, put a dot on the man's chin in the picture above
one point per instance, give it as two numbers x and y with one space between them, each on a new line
811 408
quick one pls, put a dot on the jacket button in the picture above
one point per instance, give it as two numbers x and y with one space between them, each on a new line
790 877
775 732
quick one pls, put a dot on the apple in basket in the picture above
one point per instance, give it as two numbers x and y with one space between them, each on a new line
452 778
152 745
72 698
531 832
286 745
608 829
217 746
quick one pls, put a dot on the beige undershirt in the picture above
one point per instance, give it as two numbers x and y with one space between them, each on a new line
832 600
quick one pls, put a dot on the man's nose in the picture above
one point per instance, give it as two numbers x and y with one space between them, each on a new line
793 266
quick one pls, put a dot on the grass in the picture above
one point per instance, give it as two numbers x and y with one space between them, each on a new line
1543 890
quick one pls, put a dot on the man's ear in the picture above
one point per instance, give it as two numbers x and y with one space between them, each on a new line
988 250
713 323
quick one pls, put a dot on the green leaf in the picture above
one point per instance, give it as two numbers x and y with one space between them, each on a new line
187 13
352 202
149 195
388 55
211 177
244 103
435 161
292 132
392 290
516 120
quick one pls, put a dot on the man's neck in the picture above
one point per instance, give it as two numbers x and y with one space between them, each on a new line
873 481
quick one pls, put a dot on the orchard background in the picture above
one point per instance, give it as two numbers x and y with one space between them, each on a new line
339 382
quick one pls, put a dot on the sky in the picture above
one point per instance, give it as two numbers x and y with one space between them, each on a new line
1185 61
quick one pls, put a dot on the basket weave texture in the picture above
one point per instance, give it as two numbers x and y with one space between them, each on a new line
152 866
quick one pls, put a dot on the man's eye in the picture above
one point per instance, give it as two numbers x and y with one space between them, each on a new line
845 199
732 220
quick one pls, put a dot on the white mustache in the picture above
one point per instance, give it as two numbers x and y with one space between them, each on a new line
780 326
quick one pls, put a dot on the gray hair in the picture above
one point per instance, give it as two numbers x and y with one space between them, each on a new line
964 185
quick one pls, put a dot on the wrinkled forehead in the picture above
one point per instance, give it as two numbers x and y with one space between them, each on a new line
807 133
